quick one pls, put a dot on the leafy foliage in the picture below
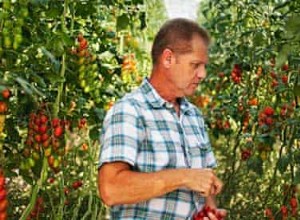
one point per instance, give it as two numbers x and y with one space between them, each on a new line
61 62
253 104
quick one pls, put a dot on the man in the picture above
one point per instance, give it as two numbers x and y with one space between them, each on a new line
156 159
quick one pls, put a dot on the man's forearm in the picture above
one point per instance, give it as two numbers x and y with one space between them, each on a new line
118 184
128 187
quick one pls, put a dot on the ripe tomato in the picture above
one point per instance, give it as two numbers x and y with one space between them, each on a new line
294 202
269 121
42 128
51 160
44 137
3 107
2 182
38 138
58 131
2 194
5 93
3 216
77 184
43 119
285 67
3 205
284 210
284 79
269 111
268 212
55 122
253 102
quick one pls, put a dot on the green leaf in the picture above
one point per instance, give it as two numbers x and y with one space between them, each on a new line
85 8
55 62
297 87
28 88
283 163
297 177
42 2
293 24
283 55
55 78
122 22
296 155
255 164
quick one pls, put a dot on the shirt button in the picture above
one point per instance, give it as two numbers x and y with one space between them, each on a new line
169 105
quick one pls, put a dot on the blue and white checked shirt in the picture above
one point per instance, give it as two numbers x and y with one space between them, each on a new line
142 129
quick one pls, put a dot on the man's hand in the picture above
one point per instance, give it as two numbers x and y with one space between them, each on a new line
204 181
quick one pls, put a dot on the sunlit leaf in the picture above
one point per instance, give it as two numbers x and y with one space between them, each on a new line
122 22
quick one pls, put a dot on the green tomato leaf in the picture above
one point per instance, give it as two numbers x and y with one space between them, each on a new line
297 87
122 22
283 163
255 164
55 62
297 177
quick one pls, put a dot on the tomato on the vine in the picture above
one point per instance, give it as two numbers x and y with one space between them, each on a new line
3 107
6 93
3 205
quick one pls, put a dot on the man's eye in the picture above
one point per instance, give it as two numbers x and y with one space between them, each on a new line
196 65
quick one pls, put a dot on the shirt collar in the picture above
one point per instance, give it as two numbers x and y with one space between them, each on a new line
157 101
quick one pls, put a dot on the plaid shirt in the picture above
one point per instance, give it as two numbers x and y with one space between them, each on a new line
143 130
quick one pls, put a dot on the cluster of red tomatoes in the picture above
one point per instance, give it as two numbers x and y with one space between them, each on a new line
236 74
289 210
204 213
266 116
45 137
5 95
276 78
3 199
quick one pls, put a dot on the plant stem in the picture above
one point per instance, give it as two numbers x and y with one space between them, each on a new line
35 189
63 66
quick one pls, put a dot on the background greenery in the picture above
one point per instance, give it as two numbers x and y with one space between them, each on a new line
64 63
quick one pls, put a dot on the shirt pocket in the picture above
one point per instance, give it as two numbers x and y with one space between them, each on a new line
198 149
159 151
197 157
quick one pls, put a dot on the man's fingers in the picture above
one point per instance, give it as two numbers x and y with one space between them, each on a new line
218 185
211 216
222 212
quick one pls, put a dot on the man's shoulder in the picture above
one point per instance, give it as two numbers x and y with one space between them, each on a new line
130 102
135 97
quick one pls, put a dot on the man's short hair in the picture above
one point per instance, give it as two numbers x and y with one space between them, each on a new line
177 34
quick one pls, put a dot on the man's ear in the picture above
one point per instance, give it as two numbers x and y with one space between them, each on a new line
167 56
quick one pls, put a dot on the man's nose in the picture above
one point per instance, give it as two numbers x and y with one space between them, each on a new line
201 73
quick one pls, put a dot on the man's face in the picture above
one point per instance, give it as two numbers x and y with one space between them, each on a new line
188 70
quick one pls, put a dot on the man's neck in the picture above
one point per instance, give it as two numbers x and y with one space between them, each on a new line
163 87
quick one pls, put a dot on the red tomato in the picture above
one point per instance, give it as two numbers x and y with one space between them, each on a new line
3 107
5 93
3 205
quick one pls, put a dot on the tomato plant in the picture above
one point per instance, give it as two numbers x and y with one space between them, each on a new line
253 85
60 68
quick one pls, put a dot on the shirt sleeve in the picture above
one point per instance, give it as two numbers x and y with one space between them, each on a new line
121 134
